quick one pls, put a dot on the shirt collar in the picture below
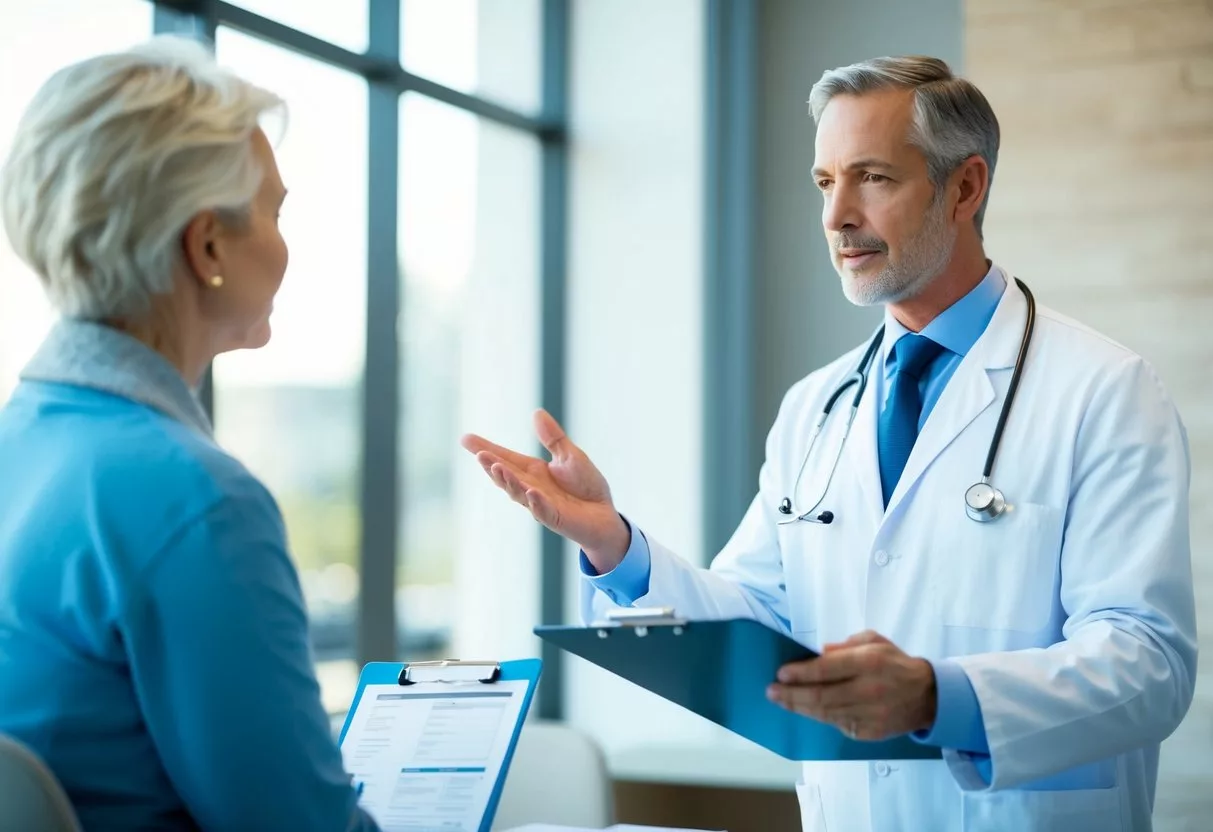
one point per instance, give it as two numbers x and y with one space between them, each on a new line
959 326
89 354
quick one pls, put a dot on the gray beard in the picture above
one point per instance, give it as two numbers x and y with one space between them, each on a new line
925 258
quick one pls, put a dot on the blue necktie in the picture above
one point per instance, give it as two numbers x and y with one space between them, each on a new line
912 354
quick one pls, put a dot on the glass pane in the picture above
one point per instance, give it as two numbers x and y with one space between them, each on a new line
36 39
468 581
490 48
343 22
291 411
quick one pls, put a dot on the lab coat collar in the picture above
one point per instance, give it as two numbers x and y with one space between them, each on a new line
998 346
959 326
90 354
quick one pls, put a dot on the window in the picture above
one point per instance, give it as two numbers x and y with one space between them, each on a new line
36 39
469 212
343 23
489 48
291 410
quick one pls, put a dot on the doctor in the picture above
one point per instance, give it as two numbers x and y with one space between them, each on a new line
1039 628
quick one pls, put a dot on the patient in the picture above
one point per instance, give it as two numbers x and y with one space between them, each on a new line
153 640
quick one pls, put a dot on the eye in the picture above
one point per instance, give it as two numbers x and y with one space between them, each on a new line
875 177
823 184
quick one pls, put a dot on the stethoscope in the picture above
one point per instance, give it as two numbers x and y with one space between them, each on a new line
983 502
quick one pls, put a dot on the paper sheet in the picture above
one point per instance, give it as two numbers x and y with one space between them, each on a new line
426 756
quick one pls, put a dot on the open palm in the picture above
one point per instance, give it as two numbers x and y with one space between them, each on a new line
568 493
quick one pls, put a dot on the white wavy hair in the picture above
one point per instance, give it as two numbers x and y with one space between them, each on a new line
112 159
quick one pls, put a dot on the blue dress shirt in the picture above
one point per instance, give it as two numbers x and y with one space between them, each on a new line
153 640
958 721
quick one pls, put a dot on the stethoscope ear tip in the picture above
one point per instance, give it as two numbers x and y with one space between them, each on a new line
785 506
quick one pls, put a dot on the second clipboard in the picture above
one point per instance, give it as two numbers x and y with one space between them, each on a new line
720 670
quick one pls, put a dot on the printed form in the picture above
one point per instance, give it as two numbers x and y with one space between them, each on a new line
425 757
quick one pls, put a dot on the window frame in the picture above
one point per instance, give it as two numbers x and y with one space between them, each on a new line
379 500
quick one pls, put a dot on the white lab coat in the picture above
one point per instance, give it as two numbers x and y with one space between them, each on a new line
1073 614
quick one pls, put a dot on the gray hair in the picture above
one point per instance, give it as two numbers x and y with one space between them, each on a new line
952 119
112 159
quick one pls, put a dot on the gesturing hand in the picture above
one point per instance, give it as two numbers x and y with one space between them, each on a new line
568 494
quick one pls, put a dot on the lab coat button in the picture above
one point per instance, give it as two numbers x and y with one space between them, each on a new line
882 558
882 769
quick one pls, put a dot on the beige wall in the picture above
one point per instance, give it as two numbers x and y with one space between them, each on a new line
1103 202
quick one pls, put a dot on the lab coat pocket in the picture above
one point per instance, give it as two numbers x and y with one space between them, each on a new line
1001 575
812 814
1075 810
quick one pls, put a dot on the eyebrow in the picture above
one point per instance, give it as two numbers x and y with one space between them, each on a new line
860 164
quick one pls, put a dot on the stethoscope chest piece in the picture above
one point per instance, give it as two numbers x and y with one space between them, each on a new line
984 502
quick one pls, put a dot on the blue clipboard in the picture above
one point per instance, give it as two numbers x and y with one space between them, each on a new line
720 670
395 673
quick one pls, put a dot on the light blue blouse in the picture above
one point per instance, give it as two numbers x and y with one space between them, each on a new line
153 640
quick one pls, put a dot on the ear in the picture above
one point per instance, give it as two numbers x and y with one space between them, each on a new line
200 245
970 182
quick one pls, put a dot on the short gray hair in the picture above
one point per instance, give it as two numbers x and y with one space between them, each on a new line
112 159
952 119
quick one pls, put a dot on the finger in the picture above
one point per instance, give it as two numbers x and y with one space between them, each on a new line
497 475
871 716
542 509
478 444
794 672
832 696
513 486
866 637
835 666
552 435
804 700
488 462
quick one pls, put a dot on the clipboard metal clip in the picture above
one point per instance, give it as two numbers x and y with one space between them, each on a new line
450 670
640 619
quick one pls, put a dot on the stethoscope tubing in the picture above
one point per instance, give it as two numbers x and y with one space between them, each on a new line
859 379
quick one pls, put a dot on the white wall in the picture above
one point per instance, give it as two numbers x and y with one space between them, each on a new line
1108 109
635 299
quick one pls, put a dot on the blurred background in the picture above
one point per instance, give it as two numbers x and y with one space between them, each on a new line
604 207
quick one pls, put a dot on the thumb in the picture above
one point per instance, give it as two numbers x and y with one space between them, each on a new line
552 435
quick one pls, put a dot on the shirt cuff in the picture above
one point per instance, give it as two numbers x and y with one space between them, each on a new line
958 721
630 579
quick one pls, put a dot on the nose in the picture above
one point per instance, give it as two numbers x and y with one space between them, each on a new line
840 211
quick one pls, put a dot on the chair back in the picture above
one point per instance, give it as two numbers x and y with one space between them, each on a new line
31 798
558 776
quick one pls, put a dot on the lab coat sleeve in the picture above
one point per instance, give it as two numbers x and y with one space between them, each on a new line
1124 673
745 580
